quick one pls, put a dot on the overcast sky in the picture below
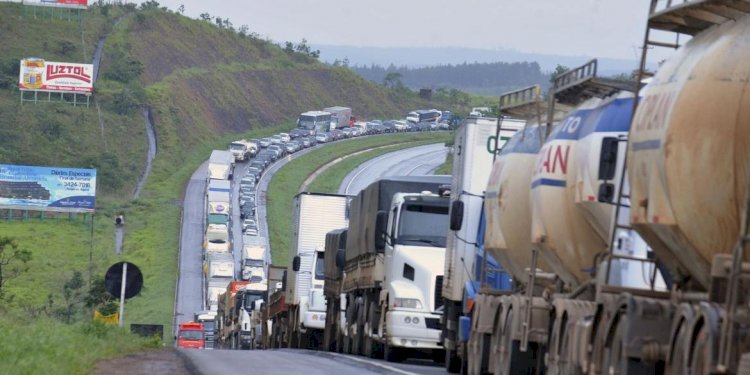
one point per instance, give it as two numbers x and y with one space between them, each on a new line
603 28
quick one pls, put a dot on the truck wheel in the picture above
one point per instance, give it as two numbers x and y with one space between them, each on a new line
452 362
392 354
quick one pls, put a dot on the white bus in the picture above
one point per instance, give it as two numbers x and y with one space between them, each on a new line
315 121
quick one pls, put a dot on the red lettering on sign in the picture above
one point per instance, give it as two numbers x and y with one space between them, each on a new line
67 71
560 160
553 157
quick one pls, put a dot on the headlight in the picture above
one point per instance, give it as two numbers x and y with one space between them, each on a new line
408 303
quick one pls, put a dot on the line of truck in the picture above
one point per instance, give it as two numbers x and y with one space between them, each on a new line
551 254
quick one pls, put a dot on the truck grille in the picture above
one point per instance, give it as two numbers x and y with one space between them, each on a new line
438 292
432 323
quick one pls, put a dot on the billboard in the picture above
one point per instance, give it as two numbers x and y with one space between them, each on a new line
47 188
40 75
60 3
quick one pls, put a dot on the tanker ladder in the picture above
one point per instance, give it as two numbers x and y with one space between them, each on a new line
650 330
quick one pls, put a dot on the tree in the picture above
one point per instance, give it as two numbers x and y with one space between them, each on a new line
392 80
181 9
243 30
205 17
13 261
559 69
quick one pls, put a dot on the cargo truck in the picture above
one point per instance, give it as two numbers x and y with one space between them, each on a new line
207 318
549 229
238 320
477 142
227 314
190 336
242 150
253 256
341 117
219 271
220 165
393 271
217 239
219 198
335 325
298 312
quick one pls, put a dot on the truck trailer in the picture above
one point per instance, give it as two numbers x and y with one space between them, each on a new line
478 141
341 117
220 165
335 252
393 271
298 312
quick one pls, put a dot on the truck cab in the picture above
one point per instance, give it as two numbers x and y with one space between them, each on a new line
414 247
207 318
191 336
250 315
313 307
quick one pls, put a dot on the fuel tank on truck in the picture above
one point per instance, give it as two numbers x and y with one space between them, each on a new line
508 203
689 151
569 225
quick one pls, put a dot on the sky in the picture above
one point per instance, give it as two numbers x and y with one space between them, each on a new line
603 28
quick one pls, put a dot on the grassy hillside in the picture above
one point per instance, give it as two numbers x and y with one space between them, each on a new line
205 86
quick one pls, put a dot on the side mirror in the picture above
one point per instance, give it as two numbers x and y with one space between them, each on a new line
296 263
340 258
381 222
457 215
608 158
606 192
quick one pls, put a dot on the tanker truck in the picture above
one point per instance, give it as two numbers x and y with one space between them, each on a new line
395 250
476 144
549 229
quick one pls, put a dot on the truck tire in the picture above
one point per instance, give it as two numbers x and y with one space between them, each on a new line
392 354
452 362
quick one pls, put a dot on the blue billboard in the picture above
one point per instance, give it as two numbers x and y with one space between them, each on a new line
47 188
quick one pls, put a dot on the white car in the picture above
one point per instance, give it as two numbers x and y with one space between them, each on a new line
250 231
249 223
285 137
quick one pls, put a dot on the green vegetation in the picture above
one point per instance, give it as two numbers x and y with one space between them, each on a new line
447 167
204 85
330 180
44 346
286 182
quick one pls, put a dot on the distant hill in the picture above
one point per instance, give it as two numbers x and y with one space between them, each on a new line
477 78
431 56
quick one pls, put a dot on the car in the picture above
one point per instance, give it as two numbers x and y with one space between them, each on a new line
400 125
254 174
290 148
249 223
278 148
322 137
246 211
276 140
305 142
265 142
285 137
424 126
251 232
247 190
258 164
337 134
297 133
347 132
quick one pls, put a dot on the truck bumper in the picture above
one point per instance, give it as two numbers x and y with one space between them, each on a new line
246 338
410 330
314 319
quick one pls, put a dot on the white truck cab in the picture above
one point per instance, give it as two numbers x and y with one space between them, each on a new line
414 248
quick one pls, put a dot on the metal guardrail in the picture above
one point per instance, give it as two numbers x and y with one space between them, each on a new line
576 76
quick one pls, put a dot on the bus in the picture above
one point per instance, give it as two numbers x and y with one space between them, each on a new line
425 115
315 121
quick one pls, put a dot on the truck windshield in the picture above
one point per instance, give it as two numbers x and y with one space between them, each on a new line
253 263
208 325
237 147
320 267
422 224
250 300
191 335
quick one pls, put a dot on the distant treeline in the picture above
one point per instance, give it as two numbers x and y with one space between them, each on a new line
476 78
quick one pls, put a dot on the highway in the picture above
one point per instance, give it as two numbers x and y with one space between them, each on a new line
412 161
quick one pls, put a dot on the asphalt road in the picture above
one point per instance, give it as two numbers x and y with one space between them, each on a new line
420 160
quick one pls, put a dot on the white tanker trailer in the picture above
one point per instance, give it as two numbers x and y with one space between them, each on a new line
688 181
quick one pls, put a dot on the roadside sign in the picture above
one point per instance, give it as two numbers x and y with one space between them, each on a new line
113 281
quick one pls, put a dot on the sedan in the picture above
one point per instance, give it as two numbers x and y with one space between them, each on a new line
265 142
247 211
249 223
322 137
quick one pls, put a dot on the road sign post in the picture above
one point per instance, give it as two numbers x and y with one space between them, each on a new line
122 290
